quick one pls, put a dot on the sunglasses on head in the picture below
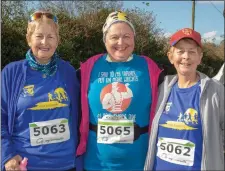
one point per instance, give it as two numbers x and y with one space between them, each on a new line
38 15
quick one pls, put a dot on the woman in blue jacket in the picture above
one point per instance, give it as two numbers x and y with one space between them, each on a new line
39 99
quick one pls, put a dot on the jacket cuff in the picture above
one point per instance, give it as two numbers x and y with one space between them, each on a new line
80 163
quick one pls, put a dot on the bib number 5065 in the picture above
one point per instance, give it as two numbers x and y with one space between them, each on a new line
110 130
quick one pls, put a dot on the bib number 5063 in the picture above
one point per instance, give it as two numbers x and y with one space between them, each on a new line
48 132
45 130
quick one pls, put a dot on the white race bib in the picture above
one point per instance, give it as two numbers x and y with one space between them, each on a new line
177 151
48 132
115 131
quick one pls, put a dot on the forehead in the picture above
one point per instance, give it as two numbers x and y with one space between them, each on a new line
186 43
45 27
120 27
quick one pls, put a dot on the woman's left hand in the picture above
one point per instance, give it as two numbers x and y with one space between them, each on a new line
13 163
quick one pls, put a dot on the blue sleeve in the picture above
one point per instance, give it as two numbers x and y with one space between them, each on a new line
7 149
79 159
80 163
76 106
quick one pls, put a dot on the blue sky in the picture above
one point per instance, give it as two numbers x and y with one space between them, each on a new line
174 15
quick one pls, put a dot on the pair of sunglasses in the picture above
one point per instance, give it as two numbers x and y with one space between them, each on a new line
38 15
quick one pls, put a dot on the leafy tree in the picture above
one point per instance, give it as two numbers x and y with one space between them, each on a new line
13 9
81 33
76 8
13 31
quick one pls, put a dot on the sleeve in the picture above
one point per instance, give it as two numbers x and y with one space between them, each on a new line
220 75
80 163
7 149
222 111
79 159
161 77
78 74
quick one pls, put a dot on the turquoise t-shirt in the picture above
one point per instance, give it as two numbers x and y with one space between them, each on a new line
42 130
119 97
179 141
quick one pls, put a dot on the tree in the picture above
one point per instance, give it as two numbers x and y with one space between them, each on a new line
13 9
76 8
81 33
13 31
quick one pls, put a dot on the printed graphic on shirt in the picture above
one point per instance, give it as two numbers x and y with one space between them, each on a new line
167 108
116 97
28 90
55 100
185 121
118 76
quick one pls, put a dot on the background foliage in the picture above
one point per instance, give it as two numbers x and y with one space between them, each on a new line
81 33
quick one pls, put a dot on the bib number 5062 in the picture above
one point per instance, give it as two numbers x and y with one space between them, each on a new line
178 149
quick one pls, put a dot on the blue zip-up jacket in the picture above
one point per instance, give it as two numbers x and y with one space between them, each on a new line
13 78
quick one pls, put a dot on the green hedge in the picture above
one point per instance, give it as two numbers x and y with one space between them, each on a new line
81 37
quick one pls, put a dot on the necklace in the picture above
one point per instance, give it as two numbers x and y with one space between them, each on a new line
188 83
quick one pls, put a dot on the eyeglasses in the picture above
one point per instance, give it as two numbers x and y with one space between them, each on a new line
38 15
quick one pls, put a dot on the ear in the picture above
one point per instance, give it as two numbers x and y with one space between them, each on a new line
200 58
170 57
28 40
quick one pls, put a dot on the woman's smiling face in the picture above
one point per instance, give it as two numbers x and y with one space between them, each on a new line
119 41
43 42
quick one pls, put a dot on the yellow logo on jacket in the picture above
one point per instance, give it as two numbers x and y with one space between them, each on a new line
28 90
190 117
55 100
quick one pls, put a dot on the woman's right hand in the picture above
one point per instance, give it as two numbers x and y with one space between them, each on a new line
13 163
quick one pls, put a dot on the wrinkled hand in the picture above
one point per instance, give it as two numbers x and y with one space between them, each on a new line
13 163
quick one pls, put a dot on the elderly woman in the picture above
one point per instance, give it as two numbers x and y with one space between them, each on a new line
39 99
188 128
118 96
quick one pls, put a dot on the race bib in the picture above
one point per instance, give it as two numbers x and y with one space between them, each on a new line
177 151
115 131
48 132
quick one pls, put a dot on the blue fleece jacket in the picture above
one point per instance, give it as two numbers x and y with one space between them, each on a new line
12 82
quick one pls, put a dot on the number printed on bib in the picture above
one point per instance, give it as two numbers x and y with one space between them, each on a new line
48 132
177 151
115 131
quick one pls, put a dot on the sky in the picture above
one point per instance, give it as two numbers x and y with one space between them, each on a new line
174 15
